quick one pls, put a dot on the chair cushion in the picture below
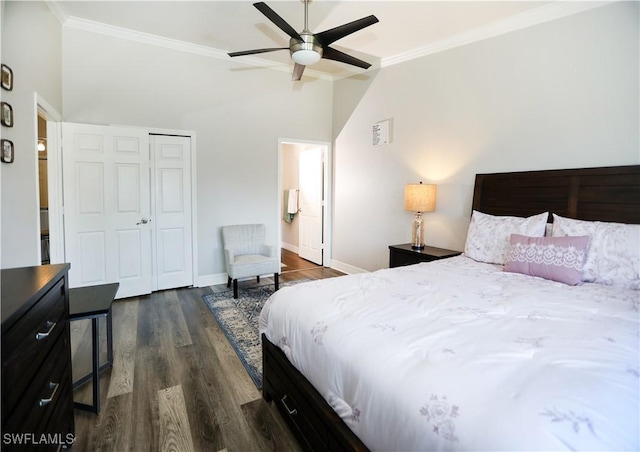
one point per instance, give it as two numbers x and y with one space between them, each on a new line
249 265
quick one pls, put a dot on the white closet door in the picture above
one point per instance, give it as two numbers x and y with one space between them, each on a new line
172 211
107 207
311 204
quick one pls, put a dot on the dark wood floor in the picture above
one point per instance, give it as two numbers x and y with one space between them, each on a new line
176 384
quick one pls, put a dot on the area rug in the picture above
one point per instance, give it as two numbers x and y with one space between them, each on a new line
239 320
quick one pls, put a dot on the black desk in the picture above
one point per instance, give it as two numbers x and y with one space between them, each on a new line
92 303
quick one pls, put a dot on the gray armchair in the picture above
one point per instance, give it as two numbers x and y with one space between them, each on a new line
246 255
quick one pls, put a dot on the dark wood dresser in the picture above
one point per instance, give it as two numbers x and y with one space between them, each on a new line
37 397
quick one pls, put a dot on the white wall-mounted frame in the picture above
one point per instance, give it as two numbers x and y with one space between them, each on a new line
380 131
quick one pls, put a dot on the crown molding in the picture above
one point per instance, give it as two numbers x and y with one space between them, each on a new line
535 16
57 11
180 46
141 37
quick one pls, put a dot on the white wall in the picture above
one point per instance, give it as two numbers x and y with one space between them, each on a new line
559 95
31 47
237 111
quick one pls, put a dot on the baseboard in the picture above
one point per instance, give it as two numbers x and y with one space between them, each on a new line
212 280
290 247
346 268
221 278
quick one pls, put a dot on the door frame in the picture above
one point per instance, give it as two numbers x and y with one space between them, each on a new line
327 220
54 176
56 236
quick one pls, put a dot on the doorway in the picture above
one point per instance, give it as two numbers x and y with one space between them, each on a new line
304 180
43 189
47 150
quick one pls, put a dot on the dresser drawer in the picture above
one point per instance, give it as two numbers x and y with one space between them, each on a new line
43 393
58 424
299 409
53 431
29 341
298 412
55 425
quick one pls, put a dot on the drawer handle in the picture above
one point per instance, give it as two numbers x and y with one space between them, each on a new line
289 410
51 326
54 386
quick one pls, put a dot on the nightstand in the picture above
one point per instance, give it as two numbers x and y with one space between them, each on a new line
400 255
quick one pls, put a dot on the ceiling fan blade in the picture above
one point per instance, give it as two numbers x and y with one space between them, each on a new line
251 52
332 54
298 69
329 36
279 21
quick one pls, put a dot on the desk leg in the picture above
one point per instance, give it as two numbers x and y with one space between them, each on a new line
96 364
96 368
109 338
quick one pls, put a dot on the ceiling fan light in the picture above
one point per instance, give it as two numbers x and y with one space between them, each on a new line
306 57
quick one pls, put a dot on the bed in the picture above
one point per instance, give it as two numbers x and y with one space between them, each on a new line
460 354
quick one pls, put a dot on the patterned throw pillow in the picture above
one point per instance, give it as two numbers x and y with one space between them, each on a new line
556 258
613 257
488 235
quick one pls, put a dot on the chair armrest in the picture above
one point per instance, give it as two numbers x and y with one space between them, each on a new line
268 250
229 255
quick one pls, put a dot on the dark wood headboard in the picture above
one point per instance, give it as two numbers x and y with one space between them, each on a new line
602 194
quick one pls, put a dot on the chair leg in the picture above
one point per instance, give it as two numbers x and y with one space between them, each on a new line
229 282
235 288
276 278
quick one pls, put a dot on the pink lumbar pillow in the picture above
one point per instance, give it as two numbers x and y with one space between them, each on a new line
556 258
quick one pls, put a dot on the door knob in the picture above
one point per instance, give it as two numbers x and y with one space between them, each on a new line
143 221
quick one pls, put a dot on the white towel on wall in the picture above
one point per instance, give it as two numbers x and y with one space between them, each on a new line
292 205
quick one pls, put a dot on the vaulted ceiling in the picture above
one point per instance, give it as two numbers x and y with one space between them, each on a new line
406 29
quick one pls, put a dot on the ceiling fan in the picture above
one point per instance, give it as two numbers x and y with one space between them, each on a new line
308 48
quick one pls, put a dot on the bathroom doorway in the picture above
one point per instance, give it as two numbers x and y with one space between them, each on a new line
305 199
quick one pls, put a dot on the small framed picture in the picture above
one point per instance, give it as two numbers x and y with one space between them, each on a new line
7 151
7 77
7 115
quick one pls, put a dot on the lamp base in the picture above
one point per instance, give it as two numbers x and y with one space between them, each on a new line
417 232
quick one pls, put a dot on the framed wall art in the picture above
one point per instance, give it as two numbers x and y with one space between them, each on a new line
7 115
6 151
7 78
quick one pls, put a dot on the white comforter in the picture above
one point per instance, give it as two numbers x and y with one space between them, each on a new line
458 355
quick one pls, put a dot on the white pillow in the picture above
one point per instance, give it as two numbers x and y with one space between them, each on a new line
613 256
488 235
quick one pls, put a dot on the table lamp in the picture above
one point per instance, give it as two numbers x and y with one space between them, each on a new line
419 198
